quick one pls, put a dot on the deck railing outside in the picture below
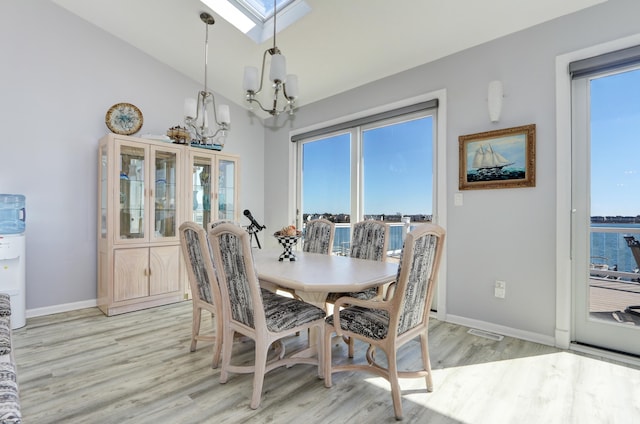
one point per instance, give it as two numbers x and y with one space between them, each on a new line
610 254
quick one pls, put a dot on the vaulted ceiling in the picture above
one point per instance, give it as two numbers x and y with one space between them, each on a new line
339 45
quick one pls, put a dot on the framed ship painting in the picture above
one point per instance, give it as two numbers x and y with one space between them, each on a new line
498 159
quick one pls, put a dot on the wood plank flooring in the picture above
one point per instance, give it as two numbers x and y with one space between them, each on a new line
83 367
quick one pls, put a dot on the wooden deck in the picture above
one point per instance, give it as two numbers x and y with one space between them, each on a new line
609 298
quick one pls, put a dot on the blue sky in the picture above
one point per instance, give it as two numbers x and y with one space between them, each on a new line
615 145
397 171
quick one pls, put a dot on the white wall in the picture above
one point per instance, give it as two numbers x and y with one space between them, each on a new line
506 234
58 77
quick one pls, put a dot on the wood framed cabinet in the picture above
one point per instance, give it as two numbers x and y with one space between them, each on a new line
140 208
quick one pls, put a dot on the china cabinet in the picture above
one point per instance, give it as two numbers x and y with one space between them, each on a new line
140 210
146 190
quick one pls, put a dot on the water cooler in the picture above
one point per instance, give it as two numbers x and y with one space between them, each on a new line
12 255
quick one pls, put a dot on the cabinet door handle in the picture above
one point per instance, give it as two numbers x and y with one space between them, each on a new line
146 272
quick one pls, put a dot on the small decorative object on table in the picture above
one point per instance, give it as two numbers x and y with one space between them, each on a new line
288 237
179 135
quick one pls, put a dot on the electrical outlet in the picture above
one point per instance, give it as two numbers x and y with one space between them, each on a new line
500 289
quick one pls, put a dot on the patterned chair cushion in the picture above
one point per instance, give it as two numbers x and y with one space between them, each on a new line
368 241
9 399
196 261
317 236
5 305
5 336
371 323
283 313
415 295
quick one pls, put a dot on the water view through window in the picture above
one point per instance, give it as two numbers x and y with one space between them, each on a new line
615 174
383 171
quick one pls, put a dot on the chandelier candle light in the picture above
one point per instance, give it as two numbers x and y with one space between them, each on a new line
282 83
195 110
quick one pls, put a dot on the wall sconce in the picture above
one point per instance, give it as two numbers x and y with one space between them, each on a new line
494 100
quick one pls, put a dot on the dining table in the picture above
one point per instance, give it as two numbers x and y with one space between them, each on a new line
312 276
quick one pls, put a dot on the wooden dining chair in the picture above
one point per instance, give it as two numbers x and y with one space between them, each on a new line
393 322
318 236
256 313
370 240
205 291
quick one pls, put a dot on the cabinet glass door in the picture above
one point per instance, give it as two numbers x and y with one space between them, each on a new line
164 194
201 190
131 221
226 189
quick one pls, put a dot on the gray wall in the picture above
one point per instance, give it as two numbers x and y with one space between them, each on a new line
58 77
506 234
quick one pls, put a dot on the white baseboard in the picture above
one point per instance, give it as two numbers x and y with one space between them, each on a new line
500 329
65 307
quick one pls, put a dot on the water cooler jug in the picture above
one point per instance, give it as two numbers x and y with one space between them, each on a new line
12 255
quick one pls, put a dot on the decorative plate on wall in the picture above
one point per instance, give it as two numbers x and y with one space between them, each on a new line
124 118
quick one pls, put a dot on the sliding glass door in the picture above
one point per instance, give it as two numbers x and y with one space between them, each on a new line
606 209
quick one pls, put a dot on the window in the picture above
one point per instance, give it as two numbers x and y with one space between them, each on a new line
254 18
375 170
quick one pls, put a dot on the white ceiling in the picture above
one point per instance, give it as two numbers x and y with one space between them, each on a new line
339 45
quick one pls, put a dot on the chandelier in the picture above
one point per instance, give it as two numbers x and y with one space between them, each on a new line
196 111
281 82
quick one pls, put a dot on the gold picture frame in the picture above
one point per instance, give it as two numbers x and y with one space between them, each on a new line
498 159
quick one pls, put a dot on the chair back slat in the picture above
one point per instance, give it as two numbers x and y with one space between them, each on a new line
318 236
236 282
370 240
202 277
237 275
419 263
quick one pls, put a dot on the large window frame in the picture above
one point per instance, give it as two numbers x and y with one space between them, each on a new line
356 182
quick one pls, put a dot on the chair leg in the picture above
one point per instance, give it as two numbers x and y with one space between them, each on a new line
320 349
259 368
426 363
395 385
217 342
195 326
326 357
227 346
351 348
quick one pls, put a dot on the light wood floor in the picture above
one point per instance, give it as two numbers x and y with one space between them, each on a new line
83 367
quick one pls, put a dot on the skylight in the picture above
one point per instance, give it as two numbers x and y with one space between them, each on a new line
254 18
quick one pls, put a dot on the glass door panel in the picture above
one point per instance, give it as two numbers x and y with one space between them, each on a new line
132 192
226 189
165 194
606 179
398 182
325 176
201 190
